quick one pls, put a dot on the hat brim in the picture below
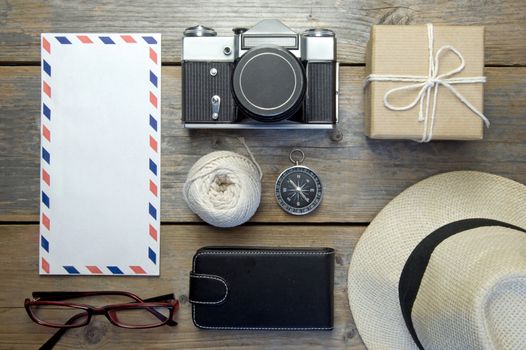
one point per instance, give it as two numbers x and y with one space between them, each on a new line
384 247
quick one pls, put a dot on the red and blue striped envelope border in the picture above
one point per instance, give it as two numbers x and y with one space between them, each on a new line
152 48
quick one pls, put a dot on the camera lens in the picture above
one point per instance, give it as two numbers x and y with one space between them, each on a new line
269 83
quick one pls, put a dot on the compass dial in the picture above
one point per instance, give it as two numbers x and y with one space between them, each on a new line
298 190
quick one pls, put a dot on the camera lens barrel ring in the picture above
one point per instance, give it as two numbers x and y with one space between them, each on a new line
269 83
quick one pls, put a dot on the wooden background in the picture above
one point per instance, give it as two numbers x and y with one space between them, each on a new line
360 175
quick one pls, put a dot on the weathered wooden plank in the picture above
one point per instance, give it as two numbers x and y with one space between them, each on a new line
360 175
179 242
21 22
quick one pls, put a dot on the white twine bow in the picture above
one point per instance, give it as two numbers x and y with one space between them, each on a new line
430 82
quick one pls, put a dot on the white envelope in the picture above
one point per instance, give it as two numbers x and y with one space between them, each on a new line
100 154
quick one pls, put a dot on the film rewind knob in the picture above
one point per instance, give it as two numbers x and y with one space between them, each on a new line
199 30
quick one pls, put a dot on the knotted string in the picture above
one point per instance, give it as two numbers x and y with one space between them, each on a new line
428 85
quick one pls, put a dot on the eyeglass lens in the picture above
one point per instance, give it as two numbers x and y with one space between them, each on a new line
140 316
59 315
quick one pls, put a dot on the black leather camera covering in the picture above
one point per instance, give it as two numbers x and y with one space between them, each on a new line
320 101
199 87
262 288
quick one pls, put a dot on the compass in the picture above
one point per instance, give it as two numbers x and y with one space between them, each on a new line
298 189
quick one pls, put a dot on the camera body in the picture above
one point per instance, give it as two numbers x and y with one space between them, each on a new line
265 77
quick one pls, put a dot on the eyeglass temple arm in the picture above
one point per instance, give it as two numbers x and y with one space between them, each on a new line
70 295
51 342
160 298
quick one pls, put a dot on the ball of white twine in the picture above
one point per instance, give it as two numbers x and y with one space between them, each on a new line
224 188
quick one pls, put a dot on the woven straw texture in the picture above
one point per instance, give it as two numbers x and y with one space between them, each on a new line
382 251
463 298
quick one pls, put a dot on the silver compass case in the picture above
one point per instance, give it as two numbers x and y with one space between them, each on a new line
298 189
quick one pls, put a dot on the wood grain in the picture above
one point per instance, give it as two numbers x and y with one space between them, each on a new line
360 175
21 22
179 243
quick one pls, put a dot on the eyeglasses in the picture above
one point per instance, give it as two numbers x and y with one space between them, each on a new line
46 310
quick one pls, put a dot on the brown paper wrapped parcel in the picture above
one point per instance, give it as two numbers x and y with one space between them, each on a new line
425 82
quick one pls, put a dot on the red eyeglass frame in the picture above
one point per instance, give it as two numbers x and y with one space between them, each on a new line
49 298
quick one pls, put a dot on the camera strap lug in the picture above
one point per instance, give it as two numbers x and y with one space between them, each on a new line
216 103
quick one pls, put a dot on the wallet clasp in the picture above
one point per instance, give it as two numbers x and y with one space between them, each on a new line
207 289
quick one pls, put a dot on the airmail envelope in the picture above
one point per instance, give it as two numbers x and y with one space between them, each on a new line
100 154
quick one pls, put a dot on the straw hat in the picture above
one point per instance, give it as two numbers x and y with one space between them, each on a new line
443 266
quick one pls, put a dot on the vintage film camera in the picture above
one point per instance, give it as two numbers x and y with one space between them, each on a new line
265 77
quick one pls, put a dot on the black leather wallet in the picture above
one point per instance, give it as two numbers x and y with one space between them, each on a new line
262 288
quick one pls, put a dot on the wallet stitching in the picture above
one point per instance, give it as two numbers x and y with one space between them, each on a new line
255 252
217 278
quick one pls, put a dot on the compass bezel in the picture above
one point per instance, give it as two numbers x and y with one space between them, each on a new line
289 208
